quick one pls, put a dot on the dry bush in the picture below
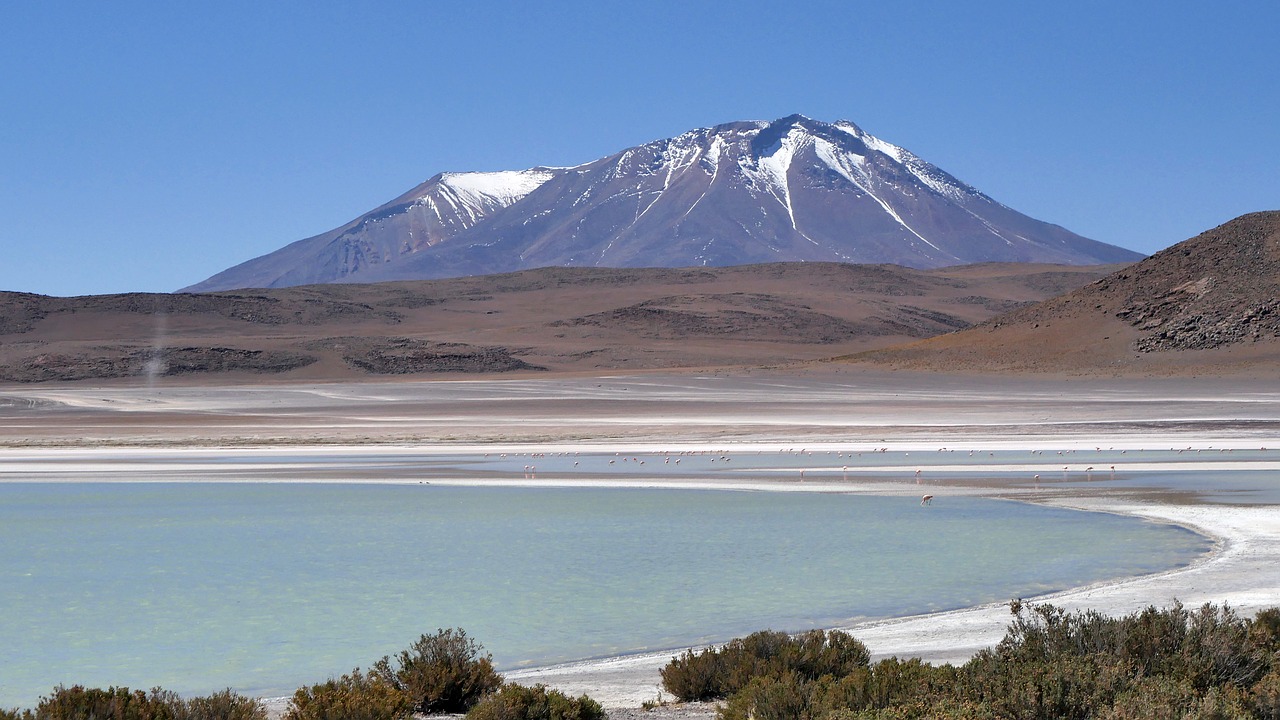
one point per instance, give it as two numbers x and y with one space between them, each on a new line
719 673
518 702
355 696
443 673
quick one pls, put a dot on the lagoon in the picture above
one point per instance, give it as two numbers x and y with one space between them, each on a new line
263 587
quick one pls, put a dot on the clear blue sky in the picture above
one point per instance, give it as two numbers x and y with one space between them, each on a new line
148 145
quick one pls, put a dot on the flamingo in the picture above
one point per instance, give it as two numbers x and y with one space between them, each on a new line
926 500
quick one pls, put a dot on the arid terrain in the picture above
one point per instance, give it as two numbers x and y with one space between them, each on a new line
1208 306
553 320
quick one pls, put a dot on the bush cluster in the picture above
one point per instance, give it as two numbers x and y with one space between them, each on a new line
720 672
443 673
121 703
447 672
1051 665
517 702
355 696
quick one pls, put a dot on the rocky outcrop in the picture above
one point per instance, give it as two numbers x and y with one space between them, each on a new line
408 356
111 363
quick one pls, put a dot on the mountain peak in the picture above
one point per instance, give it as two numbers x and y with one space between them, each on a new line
791 189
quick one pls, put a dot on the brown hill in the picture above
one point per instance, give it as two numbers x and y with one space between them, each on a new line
552 319
1210 305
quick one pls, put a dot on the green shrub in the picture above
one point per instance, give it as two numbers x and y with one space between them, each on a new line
849 693
817 653
892 681
518 702
1264 696
121 703
1041 632
352 697
1217 652
919 709
696 676
785 697
1152 698
1207 664
1220 704
442 673
224 705
1264 631
114 703
718 673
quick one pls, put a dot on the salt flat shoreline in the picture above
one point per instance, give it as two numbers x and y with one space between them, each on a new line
1243 571
95 429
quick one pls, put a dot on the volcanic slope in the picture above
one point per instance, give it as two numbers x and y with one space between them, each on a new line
794 189
1207 305
535 321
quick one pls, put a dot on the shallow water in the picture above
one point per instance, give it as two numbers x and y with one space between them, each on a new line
265 587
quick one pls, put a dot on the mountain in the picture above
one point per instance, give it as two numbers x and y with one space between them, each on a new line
794 189
534 321
1210 304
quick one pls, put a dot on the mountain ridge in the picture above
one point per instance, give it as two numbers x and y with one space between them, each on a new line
793 189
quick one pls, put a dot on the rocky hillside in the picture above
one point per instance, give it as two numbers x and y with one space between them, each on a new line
1207 304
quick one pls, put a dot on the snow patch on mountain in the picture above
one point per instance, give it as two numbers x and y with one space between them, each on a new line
712 154
504 187
930 176
855 172
847 164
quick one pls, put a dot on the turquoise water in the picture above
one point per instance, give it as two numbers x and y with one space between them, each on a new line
265 587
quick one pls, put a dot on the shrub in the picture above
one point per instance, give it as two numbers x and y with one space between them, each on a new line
1152 698
816 653
893 682
1265 696
1217 651
443 673
849 693
1040 632
1219 704
919 709
1264 632
114 703
352 697
224 705
518 702
16 714
695 676
718 673
770 698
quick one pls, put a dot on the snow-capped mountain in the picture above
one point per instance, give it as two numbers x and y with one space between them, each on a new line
794 189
